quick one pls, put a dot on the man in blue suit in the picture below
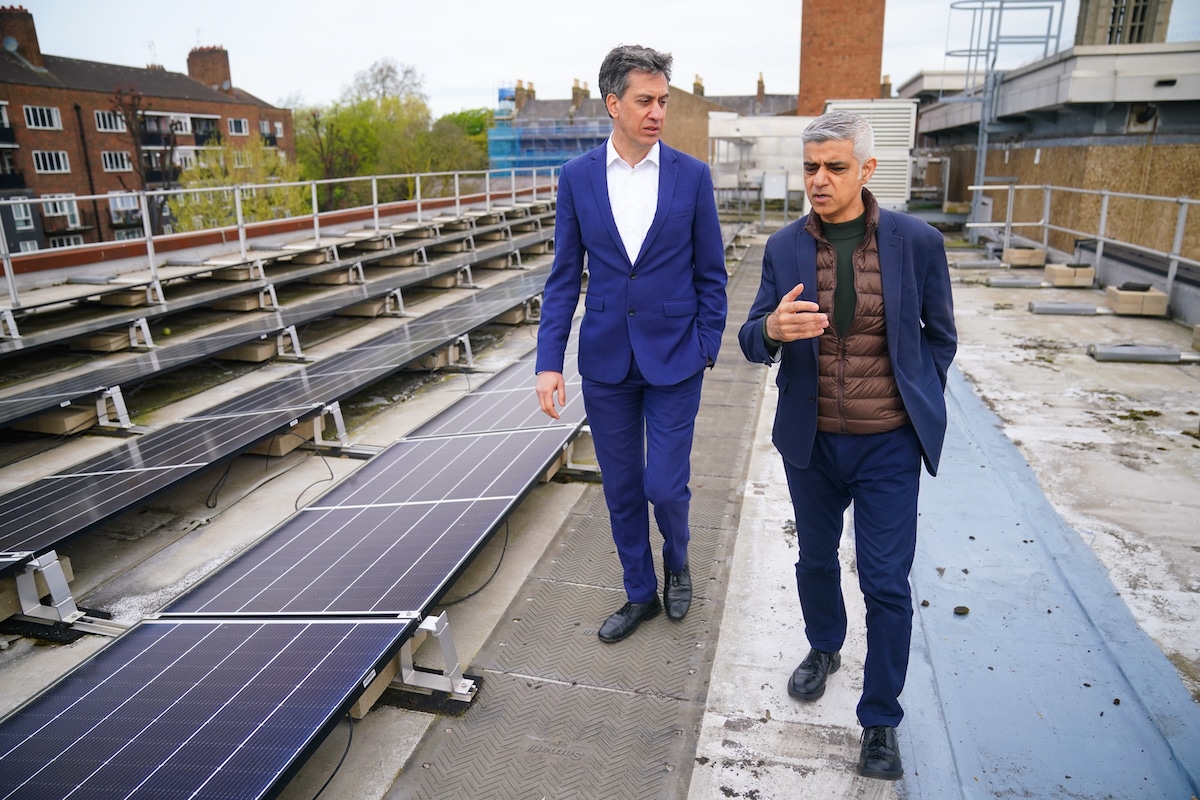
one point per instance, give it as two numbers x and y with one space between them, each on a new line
644 217
855 306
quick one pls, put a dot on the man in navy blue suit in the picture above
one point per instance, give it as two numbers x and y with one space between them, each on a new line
855 306
644 216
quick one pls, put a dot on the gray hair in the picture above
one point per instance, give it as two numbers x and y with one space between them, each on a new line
626 58
841 126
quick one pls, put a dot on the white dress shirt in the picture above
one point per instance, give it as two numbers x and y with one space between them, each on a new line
633 196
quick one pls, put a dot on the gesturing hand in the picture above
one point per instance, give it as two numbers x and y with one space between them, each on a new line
796 319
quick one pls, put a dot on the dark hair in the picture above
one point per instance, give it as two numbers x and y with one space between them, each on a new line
626 58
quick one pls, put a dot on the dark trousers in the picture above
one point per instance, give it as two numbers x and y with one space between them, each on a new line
881 474
643 439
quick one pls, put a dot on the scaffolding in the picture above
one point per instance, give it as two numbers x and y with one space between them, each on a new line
1039 27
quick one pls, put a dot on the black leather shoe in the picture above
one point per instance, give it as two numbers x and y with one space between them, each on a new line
626 620
880 757
677 592
808 679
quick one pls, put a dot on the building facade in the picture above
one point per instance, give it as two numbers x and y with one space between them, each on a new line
71 128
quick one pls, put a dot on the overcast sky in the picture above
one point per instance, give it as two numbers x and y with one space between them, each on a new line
467 50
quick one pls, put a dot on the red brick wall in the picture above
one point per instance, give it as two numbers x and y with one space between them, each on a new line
69 140
841 52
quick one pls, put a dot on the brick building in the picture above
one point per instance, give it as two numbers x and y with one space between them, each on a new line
61 134
841 52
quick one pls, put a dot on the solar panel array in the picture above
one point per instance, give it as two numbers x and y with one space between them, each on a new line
184 294
240 679
37 517
206 709
19 405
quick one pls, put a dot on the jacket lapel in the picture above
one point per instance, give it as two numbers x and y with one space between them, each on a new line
598 173
668 171
891 275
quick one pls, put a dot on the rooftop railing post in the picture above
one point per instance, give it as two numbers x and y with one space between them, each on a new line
1046 218
9 278
487 190
513 186
316 222
375 199
457 197
418 189
533 177
1008 215
148 230
241 221
1176 248
1100 234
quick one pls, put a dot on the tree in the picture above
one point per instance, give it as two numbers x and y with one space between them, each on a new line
386 78
252 163
131 106
336 142
475 123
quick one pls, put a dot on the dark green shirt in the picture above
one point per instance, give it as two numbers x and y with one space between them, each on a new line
845 238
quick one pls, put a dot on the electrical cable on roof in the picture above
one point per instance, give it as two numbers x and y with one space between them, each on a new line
341 760
503 550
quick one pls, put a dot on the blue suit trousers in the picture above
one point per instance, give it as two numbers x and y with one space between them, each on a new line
643 439
881 474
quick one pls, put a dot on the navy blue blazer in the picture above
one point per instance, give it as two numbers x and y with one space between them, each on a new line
668 305
919 317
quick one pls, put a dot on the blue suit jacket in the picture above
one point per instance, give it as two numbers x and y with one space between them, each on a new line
668 305
919 317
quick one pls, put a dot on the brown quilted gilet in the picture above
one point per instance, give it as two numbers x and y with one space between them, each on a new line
857 390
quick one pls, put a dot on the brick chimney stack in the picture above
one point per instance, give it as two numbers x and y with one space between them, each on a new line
16 22
762 90
519 96
698 87
210 66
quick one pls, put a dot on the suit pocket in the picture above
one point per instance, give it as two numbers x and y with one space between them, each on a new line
684 307
593 302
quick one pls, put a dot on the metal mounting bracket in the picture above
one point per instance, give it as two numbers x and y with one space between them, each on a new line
451 679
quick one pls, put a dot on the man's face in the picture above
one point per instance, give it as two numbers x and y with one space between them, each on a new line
639 114
834 178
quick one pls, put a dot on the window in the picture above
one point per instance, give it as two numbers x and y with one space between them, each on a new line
63 208
124 234
71 240
51 161
110 121
29 246
264 127
240 161
116 161
4 123
185 159
22 217
239 127
124 209
278 130
43 117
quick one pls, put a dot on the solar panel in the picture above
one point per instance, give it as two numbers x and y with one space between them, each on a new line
22 404
39 515
391 536
213 709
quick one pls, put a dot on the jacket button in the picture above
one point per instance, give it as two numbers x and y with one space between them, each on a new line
632 313
633 277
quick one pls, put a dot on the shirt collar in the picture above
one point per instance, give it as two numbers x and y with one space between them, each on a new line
611 155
